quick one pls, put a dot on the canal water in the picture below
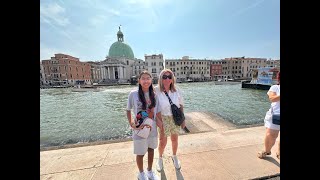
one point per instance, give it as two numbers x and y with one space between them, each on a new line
68 117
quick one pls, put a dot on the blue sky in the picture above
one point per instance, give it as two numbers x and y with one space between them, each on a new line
213 29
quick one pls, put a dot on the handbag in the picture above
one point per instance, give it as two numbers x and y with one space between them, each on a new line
178 115
144 133
275 117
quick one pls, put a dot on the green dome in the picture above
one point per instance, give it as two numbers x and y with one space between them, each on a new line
120 49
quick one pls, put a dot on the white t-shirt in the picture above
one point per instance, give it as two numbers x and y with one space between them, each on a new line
275 105
163 104
135 104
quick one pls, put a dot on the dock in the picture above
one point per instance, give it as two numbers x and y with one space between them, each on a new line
214 149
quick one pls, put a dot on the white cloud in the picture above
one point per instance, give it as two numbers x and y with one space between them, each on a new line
64 33
114 12
47 52
253 5
148 3
102 18
144 14
54 14
98 20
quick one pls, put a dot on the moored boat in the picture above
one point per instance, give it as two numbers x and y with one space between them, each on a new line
263 79
85 88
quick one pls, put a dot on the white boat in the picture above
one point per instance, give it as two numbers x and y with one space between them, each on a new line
264 78
226 82
85 89
189 80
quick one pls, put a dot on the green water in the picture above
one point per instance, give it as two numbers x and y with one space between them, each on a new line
68 117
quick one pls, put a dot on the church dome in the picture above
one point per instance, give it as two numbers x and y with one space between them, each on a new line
120 49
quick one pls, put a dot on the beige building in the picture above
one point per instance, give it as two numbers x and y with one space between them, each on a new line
155 64
96 69
138 66
186 69
241 67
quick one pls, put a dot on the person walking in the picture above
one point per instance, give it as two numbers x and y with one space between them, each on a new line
272 130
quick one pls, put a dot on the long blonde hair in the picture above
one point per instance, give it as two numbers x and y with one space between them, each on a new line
172 85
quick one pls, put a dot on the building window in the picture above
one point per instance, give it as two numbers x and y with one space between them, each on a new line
154 70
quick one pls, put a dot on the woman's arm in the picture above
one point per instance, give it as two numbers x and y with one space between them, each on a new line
159 121
273 97
130 120
183 125
133 123
150 113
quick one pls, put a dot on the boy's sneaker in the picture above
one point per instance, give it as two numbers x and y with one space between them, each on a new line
142 176
176 162
152 175
159 164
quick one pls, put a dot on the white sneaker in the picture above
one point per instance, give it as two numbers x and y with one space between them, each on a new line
159 164
176 162
152 175
142 176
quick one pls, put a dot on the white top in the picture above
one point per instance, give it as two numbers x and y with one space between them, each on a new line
275 105
163 104
135 104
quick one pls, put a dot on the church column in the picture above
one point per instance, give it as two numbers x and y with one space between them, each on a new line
109 72
114 74
105 72
120 72
102 70
123 73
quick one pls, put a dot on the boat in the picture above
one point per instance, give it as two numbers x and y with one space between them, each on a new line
133 80
189 80
263 79
226 81
87 88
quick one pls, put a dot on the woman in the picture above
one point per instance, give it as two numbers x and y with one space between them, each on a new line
165 120
272 130
143 100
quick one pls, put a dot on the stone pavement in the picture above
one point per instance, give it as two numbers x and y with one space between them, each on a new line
214 149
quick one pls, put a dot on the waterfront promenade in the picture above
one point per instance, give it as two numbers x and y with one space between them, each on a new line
214 149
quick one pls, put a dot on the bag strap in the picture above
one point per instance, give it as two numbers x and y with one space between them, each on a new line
168 97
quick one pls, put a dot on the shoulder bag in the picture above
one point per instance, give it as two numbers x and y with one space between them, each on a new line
178 115
275 117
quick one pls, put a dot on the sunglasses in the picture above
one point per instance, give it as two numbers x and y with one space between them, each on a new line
166 76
